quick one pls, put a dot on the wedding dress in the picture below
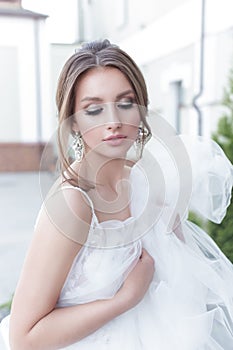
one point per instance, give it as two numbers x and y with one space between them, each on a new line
189 304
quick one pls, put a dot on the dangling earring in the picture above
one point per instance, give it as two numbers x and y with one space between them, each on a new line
78 146
139 142
142 138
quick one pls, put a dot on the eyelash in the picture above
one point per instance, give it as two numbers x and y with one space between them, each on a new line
126 104
94 111
123 105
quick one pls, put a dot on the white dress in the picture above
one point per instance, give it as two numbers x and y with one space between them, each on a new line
189 304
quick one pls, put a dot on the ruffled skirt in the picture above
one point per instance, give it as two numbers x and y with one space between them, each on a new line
189 305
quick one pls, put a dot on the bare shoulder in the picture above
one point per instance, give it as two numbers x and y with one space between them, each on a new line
67 210
60 232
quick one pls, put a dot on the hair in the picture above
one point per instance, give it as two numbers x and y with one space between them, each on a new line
100 53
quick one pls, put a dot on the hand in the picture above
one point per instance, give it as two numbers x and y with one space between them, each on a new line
137 282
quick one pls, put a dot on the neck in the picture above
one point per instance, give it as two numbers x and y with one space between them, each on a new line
103 171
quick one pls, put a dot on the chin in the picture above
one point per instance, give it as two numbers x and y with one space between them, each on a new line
114 153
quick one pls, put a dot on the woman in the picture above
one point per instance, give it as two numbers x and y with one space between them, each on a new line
113 261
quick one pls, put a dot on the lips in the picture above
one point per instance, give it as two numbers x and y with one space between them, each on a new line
115 137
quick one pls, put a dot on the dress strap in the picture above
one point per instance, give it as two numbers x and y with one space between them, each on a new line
94 218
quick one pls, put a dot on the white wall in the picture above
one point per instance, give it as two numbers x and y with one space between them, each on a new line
22 103
63 19
168 49
117 20
9 92
164 39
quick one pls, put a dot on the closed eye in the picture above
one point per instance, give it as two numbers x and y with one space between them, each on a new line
127 104
95 110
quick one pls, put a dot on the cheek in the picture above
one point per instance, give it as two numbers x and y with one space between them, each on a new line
88 125
133 122
91 136
132 132
132 125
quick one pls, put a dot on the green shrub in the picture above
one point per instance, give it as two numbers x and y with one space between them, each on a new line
223 233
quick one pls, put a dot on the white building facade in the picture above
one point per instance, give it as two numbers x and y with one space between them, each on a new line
24 69
164 38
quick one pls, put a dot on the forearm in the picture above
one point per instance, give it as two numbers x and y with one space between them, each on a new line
64 326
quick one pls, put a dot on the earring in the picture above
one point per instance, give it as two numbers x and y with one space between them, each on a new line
141 140
78 146
139 143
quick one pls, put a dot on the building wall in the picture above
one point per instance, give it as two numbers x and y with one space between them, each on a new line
120 19
183 65
169 50
25 115
164 39
10 99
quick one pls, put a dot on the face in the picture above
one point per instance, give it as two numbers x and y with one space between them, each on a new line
105 112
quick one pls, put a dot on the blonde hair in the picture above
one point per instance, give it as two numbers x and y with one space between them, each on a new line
89 56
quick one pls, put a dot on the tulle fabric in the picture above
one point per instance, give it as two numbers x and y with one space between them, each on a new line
189 304
212 177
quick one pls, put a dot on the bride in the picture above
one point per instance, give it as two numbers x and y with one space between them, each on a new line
114 262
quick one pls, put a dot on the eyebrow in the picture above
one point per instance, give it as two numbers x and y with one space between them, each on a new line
93 98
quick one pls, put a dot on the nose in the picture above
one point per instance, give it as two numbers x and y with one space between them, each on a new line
113 120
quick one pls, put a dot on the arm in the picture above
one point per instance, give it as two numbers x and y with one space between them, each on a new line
35 322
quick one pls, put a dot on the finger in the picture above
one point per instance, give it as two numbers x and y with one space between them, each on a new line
142 253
